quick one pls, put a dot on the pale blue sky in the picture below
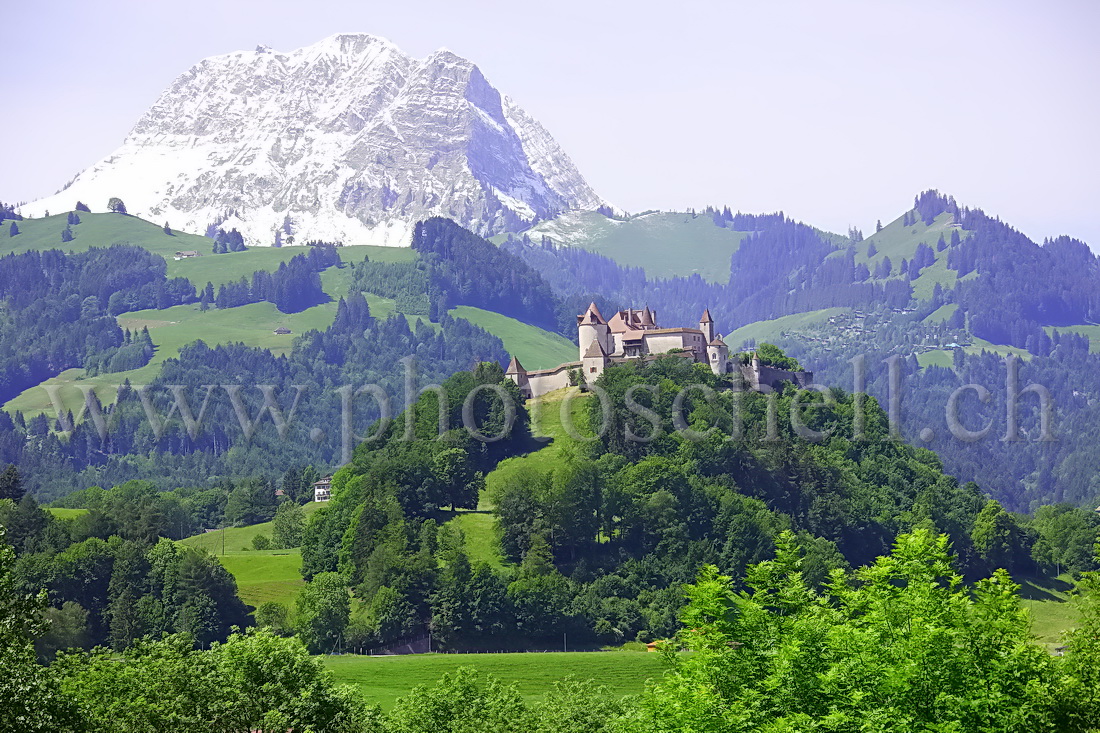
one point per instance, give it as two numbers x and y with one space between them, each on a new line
837 113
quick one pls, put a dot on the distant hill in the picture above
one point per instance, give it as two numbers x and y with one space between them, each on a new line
664 244
253 324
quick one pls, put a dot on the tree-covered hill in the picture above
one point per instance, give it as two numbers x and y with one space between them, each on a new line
596 535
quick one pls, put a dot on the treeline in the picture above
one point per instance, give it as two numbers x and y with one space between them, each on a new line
356 350
295 286
406 283
1019 286
598 542
112 581
231 241
135 351
465 269
61 308
773 654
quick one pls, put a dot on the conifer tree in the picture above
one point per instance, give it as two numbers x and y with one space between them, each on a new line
14 230
81 206
11 485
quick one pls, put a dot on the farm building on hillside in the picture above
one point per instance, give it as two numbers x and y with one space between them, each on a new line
322 490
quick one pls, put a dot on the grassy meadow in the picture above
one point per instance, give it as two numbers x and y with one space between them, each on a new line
261 575
384 679
534 347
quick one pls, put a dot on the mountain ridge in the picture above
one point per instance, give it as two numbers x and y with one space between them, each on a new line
346 140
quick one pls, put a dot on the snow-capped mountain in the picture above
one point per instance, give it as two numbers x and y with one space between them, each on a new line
347 140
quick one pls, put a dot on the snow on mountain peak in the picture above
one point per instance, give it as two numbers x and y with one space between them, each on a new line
348 140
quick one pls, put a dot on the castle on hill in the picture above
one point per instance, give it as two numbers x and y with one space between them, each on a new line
634 334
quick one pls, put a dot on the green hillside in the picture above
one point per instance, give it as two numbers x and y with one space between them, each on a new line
900 242
1091 331
261 575
384 679
771 330
534 347
100 230
665 244
104 230
171 329
267 575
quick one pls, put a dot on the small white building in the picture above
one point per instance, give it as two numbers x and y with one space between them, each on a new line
322 490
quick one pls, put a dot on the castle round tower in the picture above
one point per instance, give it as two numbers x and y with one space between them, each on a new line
592 328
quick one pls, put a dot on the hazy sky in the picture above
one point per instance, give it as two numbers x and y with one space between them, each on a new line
837 113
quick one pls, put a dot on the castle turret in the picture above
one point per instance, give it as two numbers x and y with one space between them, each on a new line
718 355
518 374
592 328
706 325
593 362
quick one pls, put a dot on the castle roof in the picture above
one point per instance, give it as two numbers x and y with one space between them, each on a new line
595 350
717 342
632 319
674 330
591 316
706 316
514 367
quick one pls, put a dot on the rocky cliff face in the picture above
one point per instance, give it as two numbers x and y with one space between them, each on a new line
346 140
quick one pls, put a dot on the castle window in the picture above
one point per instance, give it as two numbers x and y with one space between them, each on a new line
592 369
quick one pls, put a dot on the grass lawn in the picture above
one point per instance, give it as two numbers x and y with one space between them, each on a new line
546 422
103 230
939 357
480 532
1052 612
665 244
233 266
261 575
237 538
978 345
384 679
171 329
267 575
63 513
534 347
942 314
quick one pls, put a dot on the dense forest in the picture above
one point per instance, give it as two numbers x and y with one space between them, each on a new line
60 309
1009 291
781 555
598 541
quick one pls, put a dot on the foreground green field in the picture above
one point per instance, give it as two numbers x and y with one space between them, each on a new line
384 679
